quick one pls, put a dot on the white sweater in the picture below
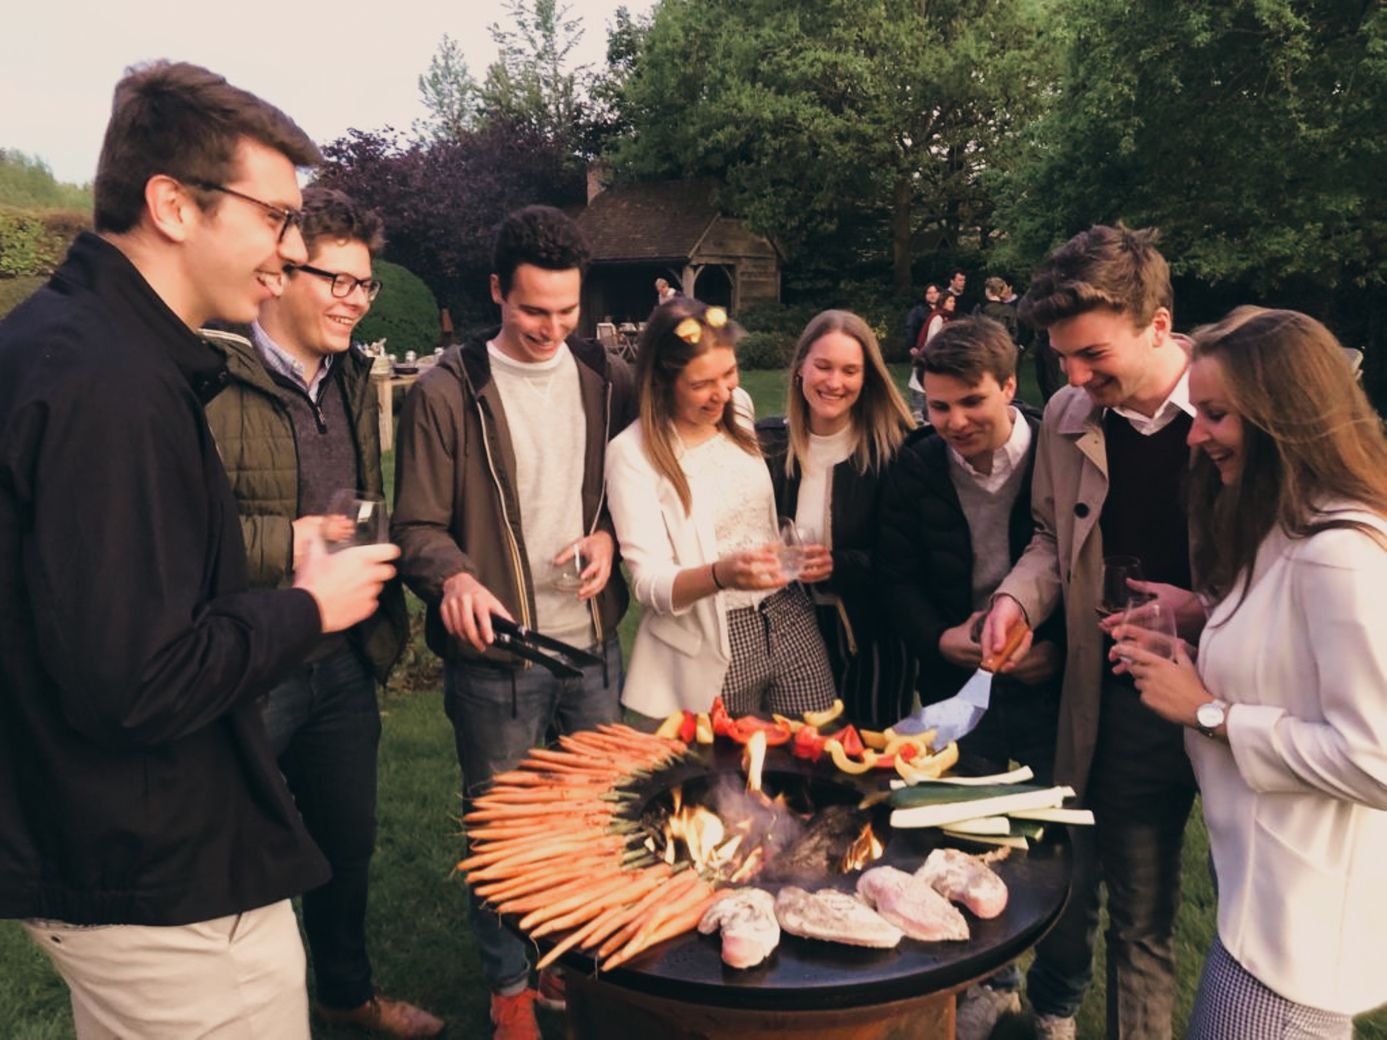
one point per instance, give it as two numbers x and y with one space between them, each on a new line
1295 803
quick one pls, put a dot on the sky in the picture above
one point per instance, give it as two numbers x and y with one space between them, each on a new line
330 66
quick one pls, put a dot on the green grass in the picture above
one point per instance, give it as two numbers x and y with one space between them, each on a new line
13 291
420 941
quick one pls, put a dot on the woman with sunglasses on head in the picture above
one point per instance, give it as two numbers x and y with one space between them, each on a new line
695 515
844 422
1287 708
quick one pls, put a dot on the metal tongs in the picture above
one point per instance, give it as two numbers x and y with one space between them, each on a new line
531 645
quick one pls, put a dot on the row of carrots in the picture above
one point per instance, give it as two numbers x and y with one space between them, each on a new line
551 842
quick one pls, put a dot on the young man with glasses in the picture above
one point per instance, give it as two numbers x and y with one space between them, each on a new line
298 420
147 838
499 481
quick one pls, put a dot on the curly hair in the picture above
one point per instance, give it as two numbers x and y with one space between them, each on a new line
328 213
538 235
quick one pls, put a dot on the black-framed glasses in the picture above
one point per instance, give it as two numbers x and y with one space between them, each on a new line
287 217
343 285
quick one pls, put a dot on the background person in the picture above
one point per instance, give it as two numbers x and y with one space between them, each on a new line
149 842
828 457
1285 719
297 422
695 512
498 483
914 327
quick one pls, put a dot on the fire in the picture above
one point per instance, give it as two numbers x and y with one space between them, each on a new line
866 848
734 846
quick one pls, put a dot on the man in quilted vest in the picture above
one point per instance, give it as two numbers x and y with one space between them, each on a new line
297 422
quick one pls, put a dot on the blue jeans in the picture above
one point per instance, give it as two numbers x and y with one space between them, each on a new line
324 726
498 714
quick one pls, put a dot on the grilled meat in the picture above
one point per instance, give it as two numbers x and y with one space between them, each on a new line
750 932
833 916
908 902
965 879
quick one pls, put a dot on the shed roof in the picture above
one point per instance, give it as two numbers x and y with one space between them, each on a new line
656 220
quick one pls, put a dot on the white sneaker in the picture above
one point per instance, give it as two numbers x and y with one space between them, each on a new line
1053 1027
979 1008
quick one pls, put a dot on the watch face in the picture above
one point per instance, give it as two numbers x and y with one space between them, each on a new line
1209 716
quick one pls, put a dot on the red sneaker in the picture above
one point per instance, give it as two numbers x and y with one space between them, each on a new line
514 1016
553 990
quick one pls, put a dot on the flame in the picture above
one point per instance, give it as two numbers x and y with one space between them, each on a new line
753 759
866 848
733 849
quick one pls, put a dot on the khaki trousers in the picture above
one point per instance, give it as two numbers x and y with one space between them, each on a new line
233 978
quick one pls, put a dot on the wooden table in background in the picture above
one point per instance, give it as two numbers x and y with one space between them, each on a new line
385 394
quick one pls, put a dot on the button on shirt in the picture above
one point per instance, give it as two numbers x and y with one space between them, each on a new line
280 362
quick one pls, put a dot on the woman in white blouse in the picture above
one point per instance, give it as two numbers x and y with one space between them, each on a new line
1287 710
694 512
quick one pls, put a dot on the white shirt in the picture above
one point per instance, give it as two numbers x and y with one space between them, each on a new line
1178 402
1006 460
736 490
813 505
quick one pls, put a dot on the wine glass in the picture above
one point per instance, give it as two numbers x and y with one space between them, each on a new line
568 577
1115 594
366 514
790 552
1149 624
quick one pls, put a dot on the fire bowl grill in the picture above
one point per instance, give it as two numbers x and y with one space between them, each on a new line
812 975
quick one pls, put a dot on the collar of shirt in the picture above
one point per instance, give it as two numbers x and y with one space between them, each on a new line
1177 402
281 362
1006 459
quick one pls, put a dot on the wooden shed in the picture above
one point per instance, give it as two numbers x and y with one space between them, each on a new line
672 230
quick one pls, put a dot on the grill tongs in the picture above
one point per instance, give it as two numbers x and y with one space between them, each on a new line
531 645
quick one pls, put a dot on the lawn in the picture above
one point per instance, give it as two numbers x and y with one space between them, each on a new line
419 937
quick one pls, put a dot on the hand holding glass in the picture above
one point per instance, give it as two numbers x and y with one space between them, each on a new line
366 515
568 576
1117 571
1148 624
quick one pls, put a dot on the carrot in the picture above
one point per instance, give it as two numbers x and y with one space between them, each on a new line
534 900
537 849
628 893
539 796
560 907
675 925
671 891
507 865
515 812
541 880
530 778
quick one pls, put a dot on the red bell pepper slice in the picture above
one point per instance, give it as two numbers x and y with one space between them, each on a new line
688 729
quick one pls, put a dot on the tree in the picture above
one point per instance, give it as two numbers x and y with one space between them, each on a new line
450 94
844 128
1249 132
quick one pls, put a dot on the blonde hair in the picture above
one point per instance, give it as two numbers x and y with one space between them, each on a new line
1309 437
662 356
880 416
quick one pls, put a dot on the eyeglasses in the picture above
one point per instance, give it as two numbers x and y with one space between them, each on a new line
288 217
343 285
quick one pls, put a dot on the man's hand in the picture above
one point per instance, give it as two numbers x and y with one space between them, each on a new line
1004 615
959 645
1042 661
346 584
310 529
466 610
598 550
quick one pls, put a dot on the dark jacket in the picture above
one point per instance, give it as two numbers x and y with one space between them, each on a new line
456 504
137 784
925 555
255 436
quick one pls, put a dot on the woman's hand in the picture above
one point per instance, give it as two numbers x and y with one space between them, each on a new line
750 570
817 565
1172 689
1185 607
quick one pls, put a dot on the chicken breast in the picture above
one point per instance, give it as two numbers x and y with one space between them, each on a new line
750 932
965 879
833 916
909 903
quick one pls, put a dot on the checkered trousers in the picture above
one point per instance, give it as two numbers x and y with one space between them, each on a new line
1233 1005
778 659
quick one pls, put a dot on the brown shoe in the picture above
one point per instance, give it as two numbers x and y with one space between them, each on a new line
384 1017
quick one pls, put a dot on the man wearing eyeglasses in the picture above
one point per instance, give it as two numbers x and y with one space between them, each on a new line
147 839
297 422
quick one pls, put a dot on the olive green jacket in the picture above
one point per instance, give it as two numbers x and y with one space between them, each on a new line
250 421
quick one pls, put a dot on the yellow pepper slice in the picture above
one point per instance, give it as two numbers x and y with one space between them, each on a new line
669 729
703 728
846 764
823 718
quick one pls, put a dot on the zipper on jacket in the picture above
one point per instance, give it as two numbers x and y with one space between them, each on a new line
319 417
597 513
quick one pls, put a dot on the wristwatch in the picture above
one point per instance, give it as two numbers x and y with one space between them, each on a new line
1209 716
